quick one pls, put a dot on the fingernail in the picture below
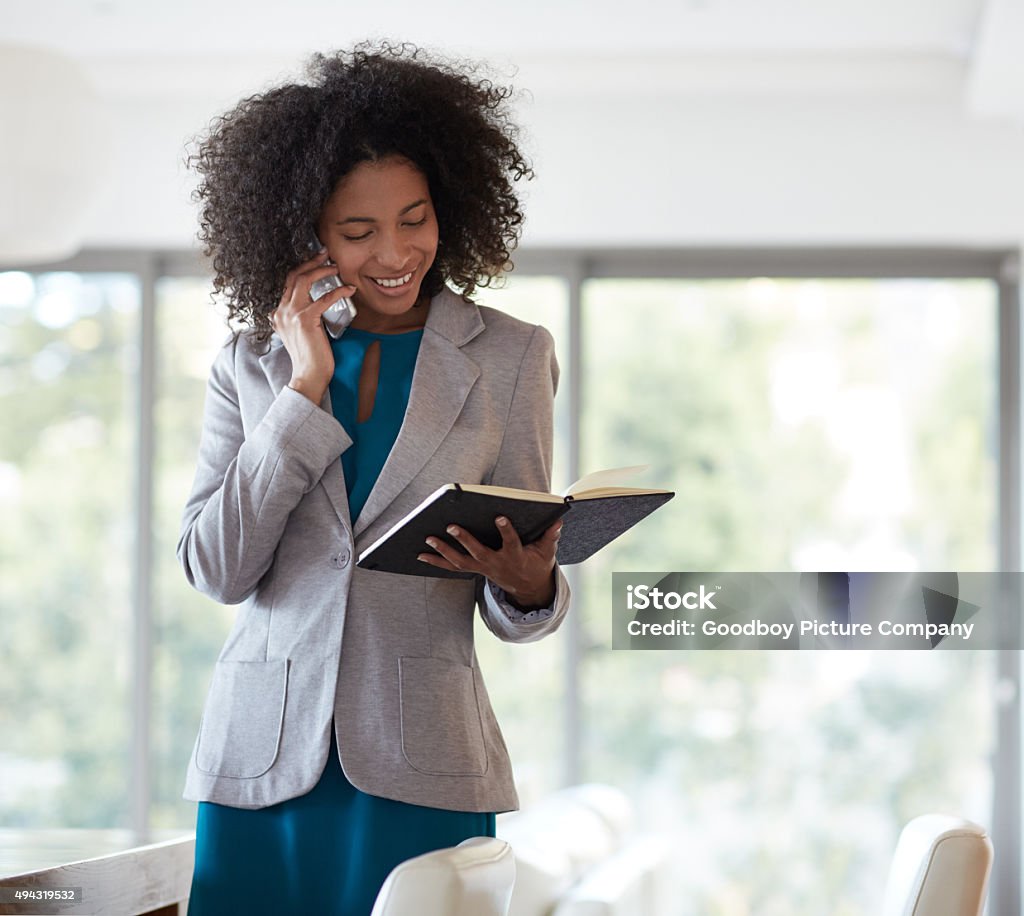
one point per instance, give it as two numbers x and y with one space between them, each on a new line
451 529
502 521
432 542
421 558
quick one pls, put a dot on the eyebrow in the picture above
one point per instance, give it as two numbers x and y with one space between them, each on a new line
368 219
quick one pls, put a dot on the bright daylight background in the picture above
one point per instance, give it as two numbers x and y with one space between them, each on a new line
776 242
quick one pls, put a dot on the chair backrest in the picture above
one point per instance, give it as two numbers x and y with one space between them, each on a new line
941 868
555 841
611 804
474 878
632 881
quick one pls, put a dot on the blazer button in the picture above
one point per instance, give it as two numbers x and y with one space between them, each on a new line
340 560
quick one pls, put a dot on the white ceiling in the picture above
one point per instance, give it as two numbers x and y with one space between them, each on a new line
96 27
745 110
218 48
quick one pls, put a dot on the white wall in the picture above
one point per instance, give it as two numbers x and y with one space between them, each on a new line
758 156
754 171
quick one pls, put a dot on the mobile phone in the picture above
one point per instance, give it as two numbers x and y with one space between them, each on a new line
339 316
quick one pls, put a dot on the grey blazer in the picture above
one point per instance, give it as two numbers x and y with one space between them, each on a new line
390 657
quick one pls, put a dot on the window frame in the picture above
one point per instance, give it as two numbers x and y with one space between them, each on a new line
575 266
1000 265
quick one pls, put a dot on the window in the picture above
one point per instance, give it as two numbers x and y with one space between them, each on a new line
811 411
188 628
805 424
66 498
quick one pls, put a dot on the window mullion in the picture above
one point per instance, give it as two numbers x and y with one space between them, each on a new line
142 558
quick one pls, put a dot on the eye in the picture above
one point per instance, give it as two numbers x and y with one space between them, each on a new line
356 238
420 223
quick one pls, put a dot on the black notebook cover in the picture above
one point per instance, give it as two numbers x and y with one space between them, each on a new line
476 513
587 527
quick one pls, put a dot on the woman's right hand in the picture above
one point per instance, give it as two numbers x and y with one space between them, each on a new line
297 320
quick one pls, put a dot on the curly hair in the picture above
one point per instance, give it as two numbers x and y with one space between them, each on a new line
269 165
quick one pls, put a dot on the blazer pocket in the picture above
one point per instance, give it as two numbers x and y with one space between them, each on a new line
240 731
441 729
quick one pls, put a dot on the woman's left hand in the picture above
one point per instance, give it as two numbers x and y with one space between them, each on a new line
526 573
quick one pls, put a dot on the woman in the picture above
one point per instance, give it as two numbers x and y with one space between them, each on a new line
347 726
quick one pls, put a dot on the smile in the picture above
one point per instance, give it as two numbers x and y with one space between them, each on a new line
394 284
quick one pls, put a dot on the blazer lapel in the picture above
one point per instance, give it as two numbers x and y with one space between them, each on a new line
277 366
441 382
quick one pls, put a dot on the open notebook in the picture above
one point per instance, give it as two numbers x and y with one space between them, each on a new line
596 509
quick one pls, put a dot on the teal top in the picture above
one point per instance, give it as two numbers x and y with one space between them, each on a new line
329 851
372 439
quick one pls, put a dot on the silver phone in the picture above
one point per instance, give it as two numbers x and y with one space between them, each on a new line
339 316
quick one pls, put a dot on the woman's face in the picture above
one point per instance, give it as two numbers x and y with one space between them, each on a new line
379 225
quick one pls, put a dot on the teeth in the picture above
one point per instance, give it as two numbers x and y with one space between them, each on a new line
393 283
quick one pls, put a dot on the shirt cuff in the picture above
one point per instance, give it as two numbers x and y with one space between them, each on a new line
497 601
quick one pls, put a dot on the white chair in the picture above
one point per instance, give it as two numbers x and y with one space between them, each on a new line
474 878
555 841
628 883
940 868
611 804
576 855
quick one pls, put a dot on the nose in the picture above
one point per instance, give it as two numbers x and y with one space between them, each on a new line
392 251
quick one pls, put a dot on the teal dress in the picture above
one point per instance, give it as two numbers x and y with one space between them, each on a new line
328 852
